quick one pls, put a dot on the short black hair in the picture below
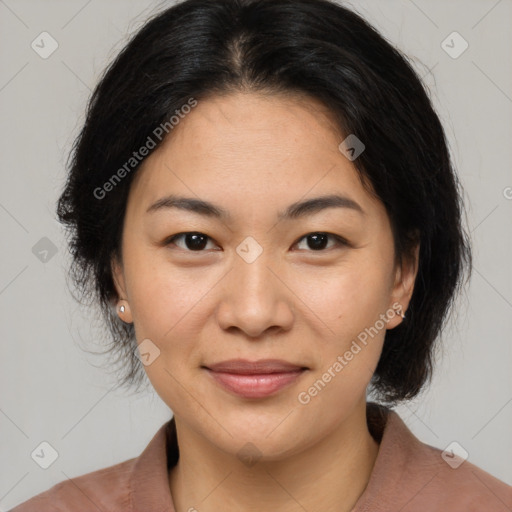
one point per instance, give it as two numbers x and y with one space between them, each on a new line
201 48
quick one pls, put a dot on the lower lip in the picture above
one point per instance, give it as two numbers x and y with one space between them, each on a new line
255 386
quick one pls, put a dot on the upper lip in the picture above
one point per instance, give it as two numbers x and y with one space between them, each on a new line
245 367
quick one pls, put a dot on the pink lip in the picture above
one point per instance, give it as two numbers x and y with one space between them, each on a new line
256 379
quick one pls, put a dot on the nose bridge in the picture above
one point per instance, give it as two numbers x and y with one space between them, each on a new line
253 301
253 279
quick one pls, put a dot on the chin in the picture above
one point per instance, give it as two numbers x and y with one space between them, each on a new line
268 439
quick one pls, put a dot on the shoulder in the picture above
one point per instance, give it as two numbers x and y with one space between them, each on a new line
104 489
450 481
412 476
139 483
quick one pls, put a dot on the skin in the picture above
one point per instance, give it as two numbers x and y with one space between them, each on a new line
254 155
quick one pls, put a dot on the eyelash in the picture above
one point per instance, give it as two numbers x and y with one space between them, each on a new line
341 242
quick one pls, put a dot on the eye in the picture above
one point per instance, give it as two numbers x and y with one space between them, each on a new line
318 241
197 242
193 241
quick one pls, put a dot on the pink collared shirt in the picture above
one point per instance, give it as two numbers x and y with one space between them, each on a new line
408 476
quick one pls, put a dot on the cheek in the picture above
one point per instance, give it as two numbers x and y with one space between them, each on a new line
164 298
350 297
349 303
168 309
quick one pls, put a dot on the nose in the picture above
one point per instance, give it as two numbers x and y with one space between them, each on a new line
255 299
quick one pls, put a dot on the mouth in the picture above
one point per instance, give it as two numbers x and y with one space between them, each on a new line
255 379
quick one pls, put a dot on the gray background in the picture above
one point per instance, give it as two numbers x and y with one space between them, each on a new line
51 390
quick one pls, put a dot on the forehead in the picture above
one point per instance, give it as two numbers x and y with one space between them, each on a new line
240 125
251 150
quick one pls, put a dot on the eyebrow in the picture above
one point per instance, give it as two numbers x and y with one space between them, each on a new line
294 211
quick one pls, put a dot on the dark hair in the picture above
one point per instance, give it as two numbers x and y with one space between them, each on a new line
199 48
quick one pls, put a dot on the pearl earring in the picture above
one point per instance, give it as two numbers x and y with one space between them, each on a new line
122 307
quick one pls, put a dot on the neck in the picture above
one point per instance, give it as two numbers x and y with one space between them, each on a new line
329 475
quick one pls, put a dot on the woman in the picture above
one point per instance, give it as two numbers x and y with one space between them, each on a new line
263 202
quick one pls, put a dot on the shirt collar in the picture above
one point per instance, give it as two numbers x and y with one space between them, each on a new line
149 481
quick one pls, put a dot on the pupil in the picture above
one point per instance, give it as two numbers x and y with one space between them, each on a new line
195 241
319 241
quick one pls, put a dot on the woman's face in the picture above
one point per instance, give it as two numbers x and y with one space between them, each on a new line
255 286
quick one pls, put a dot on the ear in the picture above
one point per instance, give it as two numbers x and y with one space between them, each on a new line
403 287
118 276
120 286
